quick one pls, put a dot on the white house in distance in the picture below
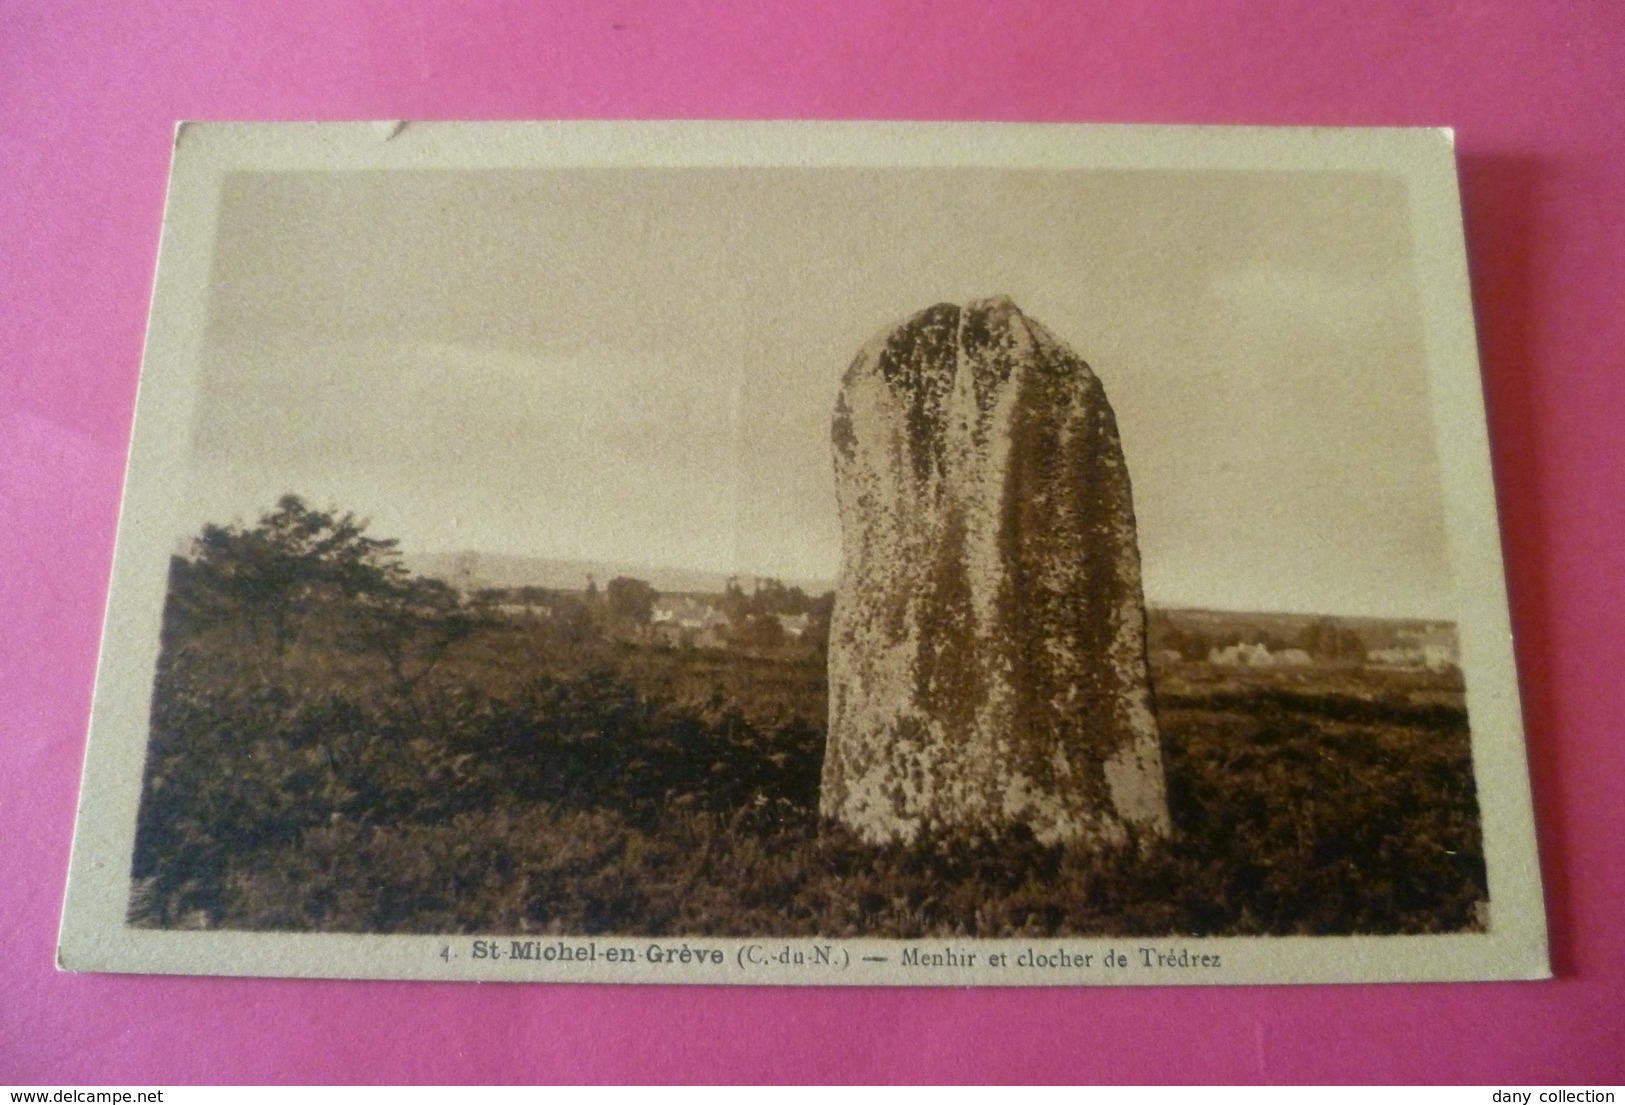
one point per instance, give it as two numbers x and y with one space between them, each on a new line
525 611
1433 646
684 620
1430 655
1257 656
795 626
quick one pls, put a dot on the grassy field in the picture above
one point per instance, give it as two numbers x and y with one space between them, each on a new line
542 777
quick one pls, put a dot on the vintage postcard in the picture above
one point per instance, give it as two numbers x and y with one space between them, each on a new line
809 554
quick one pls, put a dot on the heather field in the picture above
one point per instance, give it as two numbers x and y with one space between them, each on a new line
337 746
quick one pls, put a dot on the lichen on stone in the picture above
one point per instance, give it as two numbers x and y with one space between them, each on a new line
987 650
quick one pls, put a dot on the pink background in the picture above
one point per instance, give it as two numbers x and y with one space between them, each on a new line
88 96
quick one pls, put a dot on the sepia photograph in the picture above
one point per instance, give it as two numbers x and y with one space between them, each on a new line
831 554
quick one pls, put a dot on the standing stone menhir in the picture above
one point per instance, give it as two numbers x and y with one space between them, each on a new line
987 659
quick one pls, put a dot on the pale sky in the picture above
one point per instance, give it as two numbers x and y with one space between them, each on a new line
640 365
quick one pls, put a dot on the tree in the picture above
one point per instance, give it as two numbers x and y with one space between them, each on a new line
769 597
289 564
735 603
821 610
300 567
632 599
413 624
1327 639
762 631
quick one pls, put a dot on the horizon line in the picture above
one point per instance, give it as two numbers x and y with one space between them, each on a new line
830 585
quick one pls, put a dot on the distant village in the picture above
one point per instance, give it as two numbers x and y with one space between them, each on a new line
769 616
1231 640
774 616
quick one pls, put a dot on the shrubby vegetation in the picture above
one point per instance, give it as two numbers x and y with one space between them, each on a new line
338 746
